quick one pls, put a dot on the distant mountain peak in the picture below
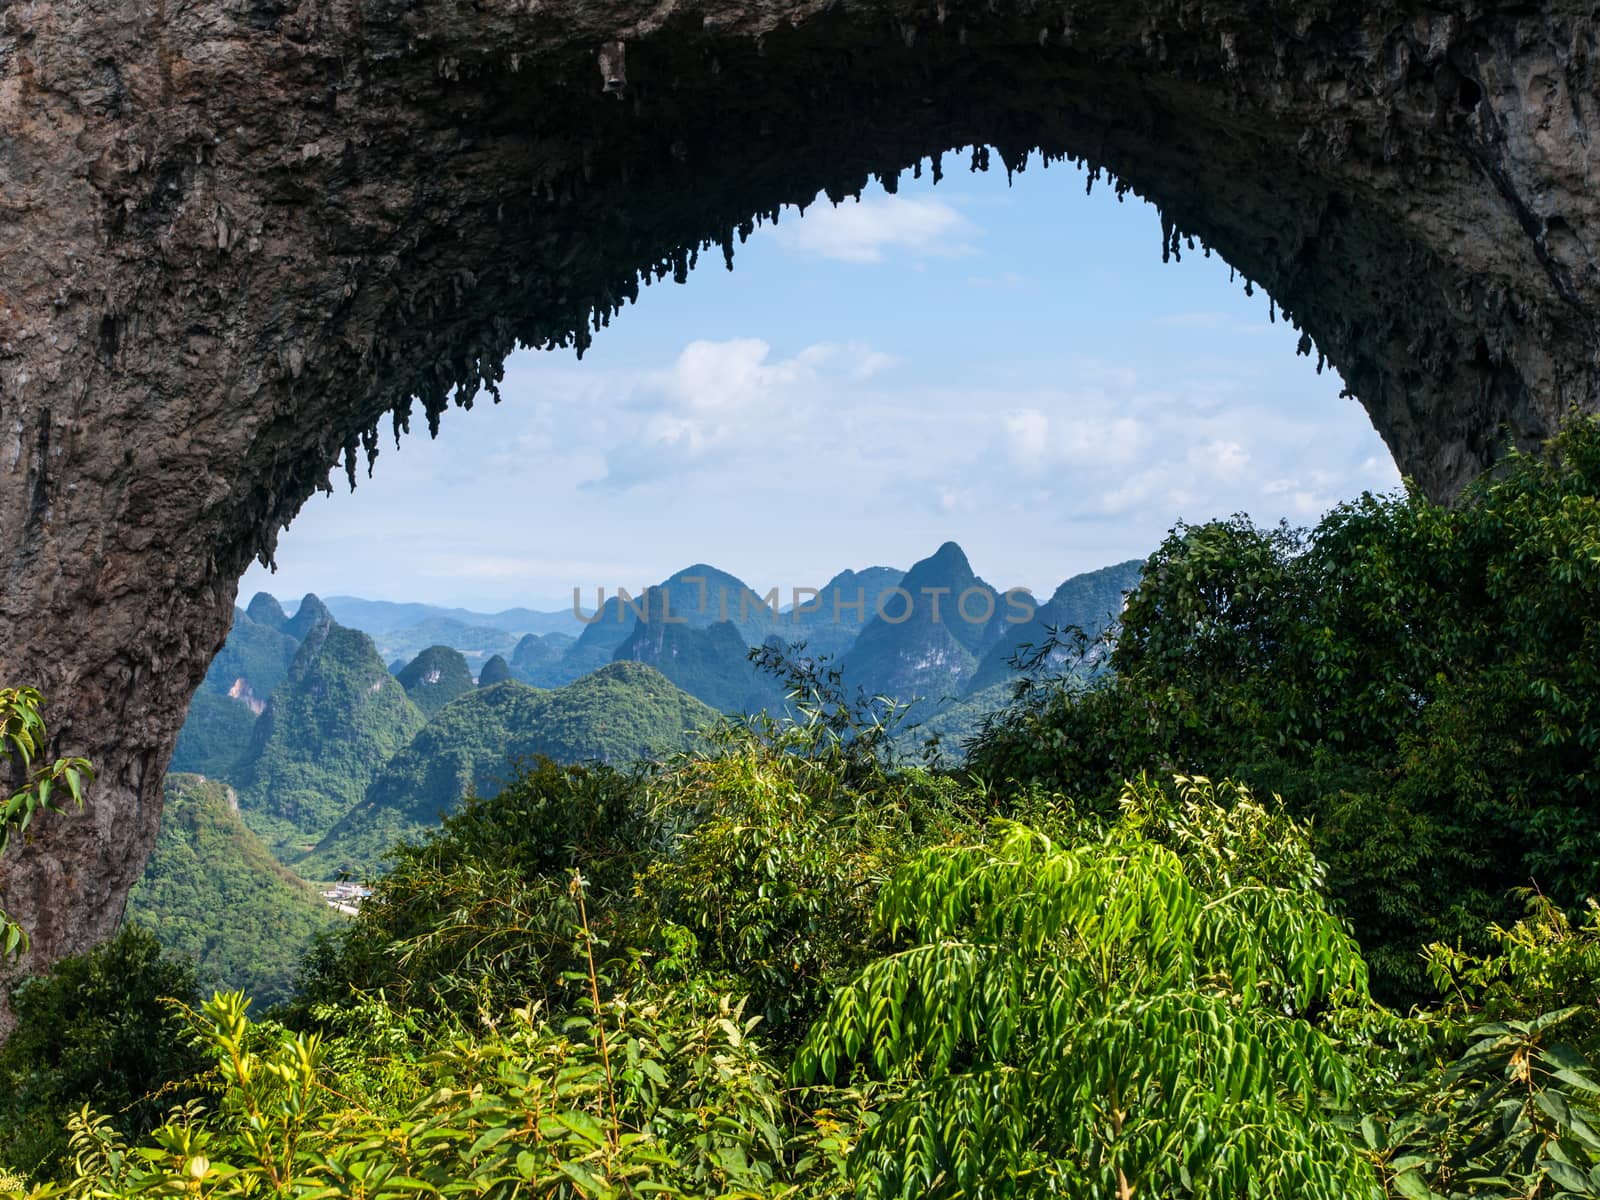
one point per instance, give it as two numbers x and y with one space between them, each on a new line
435 677
312 614
264 609
949 558
701 568
496 670
945 567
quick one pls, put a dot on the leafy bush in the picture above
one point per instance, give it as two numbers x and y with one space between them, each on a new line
781 841
479 911
1492 1092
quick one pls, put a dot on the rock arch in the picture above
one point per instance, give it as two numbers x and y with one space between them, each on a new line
237 235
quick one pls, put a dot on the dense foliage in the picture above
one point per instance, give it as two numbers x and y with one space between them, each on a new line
1143 1010
777 968
1420 681
212 893
98 1030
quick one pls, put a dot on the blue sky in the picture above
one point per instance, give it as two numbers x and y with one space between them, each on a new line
1012 368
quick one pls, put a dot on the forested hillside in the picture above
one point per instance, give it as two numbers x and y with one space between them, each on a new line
215 737
254 660
621 714
435 677
711 663
213 893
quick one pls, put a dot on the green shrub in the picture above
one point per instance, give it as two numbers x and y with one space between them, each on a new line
98 1030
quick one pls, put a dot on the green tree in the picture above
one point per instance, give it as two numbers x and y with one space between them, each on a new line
1421 681
1141 1014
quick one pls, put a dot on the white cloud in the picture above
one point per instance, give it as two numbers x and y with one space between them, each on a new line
724 377
862 231
720 400
1037 443
1221 460
1132 491
1027 438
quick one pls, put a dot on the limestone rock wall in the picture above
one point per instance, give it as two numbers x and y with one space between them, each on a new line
243 240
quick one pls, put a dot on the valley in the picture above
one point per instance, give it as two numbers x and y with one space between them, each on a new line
350 726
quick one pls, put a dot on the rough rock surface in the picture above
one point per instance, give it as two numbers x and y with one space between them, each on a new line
235 234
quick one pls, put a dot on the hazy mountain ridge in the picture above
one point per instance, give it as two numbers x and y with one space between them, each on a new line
1090 602
476 643
938 631
832 619
697 596
389 616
